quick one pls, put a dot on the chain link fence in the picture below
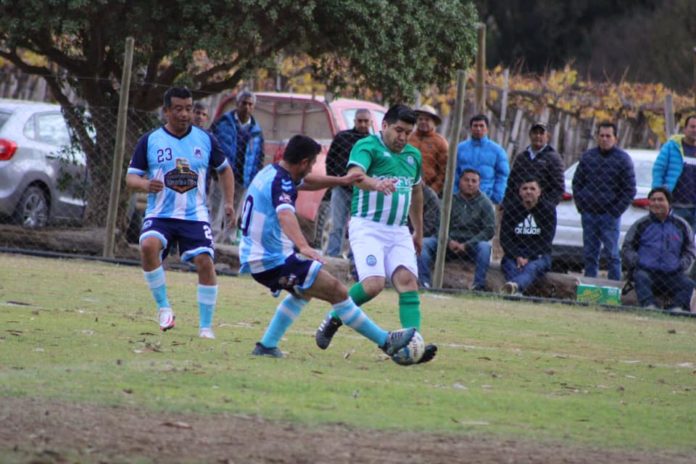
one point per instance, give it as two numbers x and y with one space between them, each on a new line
58 200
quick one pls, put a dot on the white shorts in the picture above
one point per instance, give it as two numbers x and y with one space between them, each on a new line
379 249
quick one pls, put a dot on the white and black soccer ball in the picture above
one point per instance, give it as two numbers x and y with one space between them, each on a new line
412 352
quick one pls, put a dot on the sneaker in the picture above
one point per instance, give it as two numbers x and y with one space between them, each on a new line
327 329
166 319
428 353
260 350
206 332
397 340
510 288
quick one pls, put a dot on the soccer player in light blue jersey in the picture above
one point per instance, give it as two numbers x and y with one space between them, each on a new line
171 164
270 234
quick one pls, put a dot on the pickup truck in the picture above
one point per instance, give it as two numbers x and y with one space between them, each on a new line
282 115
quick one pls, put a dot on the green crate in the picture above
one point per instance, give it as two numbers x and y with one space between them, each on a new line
598 294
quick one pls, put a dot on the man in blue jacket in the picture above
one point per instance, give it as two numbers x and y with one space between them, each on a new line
603 186
486 157
675 169
241 138
659 251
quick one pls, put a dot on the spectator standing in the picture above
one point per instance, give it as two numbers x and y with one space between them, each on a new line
433 147
675 168
472 226
241 139
658 252
603 186
526 234
486 157
381 242
539 160
200 115
168 164
337 165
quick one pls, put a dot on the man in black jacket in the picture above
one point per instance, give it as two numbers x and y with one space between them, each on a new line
526 234
539 160
604 185
336 165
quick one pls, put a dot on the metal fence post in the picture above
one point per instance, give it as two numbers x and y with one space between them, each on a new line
119 149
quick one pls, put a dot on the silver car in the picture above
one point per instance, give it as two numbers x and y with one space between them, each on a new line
567 244
42 180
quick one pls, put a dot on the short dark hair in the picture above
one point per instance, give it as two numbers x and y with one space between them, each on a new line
608 124
200 106
471 171
688 118
478 117
663 190
245 94
176 92
300 147
529 178
399 112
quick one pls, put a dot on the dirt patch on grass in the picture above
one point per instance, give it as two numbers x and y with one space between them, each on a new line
45 431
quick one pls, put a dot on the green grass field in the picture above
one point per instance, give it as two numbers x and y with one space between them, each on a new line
86 332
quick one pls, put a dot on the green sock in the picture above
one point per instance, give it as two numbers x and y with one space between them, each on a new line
358 295
409 310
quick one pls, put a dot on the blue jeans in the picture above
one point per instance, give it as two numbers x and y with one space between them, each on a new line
526 275
480 254
675 285
601 230
340 213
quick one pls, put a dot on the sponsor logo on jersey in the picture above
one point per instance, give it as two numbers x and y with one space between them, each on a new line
286 185
198 152
147 224
181 179
527 227
371 260
285 198
410 160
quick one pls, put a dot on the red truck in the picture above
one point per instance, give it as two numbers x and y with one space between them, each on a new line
282 115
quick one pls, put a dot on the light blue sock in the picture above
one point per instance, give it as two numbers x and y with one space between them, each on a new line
285 315
158 286
207 297
355 318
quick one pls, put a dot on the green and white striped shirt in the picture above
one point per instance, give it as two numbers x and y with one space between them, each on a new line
373 156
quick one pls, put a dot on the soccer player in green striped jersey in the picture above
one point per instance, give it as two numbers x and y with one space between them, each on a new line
383 247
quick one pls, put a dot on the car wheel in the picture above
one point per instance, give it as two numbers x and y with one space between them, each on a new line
323 226
32 209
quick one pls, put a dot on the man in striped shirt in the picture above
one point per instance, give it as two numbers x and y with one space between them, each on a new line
382 245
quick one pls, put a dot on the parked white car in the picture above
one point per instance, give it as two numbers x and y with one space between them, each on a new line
41 179
567 244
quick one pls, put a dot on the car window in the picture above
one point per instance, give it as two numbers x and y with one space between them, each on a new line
377 116
48 128
4 117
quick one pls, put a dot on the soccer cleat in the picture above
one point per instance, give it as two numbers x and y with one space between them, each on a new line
428 354
166 319
327 329
397 340
206 332
510 288
260 350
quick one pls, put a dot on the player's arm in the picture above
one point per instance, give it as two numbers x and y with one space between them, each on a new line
385 186
291 228
416 216
142 184
318 182
226 179
136 177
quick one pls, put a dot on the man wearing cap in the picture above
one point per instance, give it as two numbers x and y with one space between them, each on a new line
541 161
433 147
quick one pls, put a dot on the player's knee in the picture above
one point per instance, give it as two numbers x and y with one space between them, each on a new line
150 247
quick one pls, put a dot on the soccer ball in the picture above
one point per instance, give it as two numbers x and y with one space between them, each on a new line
412 352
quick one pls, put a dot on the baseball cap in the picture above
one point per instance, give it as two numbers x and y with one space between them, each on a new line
538 126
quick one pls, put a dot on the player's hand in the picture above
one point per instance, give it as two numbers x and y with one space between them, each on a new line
521 262
229 215
353 178
386 186
418 243
311 253
154 186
